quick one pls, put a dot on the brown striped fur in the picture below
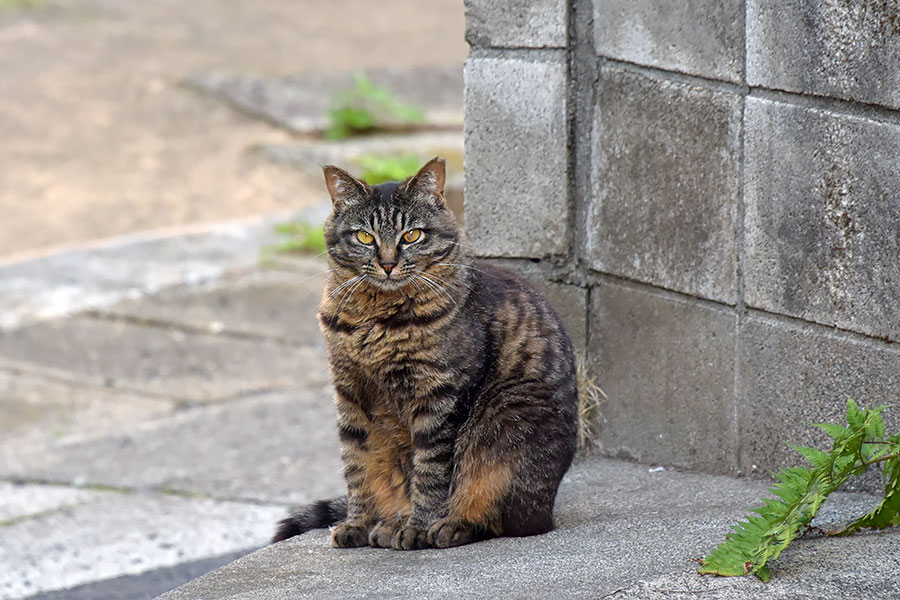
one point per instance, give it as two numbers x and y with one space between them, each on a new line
454 379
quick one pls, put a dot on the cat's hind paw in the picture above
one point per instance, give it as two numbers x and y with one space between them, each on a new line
448 532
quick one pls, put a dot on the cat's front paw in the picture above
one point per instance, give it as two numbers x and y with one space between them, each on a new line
410 537
349 535
382 535
448 532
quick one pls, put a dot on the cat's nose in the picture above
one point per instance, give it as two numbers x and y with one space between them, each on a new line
387 267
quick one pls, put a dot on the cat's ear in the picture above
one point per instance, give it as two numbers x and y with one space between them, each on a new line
343 187
428 184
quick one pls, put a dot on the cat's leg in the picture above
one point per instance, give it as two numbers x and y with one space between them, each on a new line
353 431
433 440
513 457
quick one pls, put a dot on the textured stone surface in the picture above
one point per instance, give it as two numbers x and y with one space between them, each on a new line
516 194
622 532
667 367
666 181
273 304
278 448
822 194
792 376
23 501
300 103
116 534
516 24
35 414
168 362
700 37
570 301
848 50
129 267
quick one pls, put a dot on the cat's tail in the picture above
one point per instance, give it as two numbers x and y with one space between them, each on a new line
323 513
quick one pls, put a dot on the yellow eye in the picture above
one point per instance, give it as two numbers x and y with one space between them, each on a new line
412 236
365 237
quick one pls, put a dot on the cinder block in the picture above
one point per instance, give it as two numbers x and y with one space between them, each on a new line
517 185
794 375
516 23
667 367
822 194
666 178
700 37
848 50
570 301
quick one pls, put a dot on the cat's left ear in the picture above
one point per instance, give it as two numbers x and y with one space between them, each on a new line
428 184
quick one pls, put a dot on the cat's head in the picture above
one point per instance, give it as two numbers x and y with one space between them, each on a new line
391 233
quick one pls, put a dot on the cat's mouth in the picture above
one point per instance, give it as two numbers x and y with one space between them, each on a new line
391 282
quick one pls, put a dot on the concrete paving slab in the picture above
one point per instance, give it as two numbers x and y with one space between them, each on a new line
68 280
19 502
119 534
168 362
619 526
35 412
273 304
300 103
143 586
281 448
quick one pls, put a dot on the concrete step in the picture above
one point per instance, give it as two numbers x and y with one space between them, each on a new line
624 531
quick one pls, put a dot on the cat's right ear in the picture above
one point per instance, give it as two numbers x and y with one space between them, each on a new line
343 187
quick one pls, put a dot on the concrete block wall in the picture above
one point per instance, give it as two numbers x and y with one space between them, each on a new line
709 191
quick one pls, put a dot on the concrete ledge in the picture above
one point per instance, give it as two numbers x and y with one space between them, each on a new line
623 532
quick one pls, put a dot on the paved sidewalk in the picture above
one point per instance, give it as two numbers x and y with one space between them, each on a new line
170 412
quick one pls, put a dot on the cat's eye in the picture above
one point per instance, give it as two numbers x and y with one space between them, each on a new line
365 237
412 236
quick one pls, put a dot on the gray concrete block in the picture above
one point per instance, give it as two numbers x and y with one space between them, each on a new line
516 193
822 194
666 179
569 301
700 37
848 50
667 367
167 362
516 23
793 375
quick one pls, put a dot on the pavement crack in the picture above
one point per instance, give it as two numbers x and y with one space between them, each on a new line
186 328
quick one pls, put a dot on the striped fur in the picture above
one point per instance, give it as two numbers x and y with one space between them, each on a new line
454 379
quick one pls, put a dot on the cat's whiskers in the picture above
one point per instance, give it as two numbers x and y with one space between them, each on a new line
436 283
350 281
349 293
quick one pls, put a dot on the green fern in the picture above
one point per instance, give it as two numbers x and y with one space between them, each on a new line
801 491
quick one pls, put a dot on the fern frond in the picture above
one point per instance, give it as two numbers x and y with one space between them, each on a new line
799 493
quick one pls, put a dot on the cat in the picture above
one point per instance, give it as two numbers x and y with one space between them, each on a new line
454 379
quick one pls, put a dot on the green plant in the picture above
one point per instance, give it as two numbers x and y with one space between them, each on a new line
802 490
12 4
301 237
364 105
395 167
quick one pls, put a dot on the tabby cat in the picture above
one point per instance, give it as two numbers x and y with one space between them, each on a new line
454 379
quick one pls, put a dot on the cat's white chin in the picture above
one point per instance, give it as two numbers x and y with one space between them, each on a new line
390 285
